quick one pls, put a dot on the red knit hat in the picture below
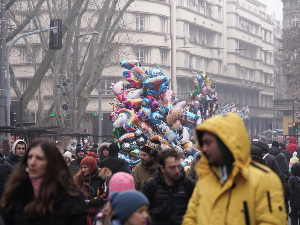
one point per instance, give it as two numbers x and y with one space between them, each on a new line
90 161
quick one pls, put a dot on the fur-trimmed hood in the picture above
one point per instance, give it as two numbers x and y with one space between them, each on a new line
104 173
101 147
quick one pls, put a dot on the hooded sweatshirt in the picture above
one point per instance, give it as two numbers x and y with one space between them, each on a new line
252 193
14 159
292 147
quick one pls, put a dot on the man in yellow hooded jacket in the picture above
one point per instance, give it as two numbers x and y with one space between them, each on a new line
231 189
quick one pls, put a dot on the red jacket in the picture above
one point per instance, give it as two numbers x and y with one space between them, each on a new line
292 147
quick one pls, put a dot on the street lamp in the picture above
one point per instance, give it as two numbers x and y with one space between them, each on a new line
74 113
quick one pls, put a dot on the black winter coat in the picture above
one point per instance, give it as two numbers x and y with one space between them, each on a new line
12 159
281 160
69 210
287 154
295 197
5 170
75 165
115 164
272 164
177 193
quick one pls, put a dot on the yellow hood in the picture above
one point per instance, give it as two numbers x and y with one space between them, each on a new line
231 130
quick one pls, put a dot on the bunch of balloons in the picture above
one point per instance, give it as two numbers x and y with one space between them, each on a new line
244 113
203 98
147 109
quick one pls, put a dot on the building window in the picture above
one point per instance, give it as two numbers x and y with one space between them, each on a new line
163 56
198 63
219 40
294 19
140 54
191 62
206 65
30 25
185 62
219 67
219 13
237 46
185 29
251 77
29 57
24 83
140 22
162 24
237 71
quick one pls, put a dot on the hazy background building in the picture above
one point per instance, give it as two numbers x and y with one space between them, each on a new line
232 41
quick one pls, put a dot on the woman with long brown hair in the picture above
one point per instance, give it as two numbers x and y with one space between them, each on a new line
41 190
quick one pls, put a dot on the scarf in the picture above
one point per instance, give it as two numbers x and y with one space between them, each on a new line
36 185
93 176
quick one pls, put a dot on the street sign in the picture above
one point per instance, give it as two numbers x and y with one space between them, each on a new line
52 114
297 114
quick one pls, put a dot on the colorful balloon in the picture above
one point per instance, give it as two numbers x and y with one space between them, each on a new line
131 98
156 85
129 64
127 119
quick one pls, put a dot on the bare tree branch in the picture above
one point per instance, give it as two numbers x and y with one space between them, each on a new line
25 22
46 62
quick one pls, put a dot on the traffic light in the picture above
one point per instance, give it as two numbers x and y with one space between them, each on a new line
55 37
13 120
270 127
295 127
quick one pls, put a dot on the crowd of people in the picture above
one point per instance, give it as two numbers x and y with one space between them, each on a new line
230 181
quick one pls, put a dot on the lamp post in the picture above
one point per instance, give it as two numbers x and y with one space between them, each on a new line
74 112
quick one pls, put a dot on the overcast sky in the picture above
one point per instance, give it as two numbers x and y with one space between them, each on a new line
274 6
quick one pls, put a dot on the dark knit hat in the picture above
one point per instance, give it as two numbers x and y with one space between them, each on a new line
275 144
79 149
90 161
126 203
262 145
113 149
296 169
152 147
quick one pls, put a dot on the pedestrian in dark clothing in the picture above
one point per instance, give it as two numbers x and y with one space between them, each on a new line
80 154
270 159
42 191
18 150
281 160
114 163
292 146
295 197
287 195
94 148
5 170
256 155
102 152
286 153
169 190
